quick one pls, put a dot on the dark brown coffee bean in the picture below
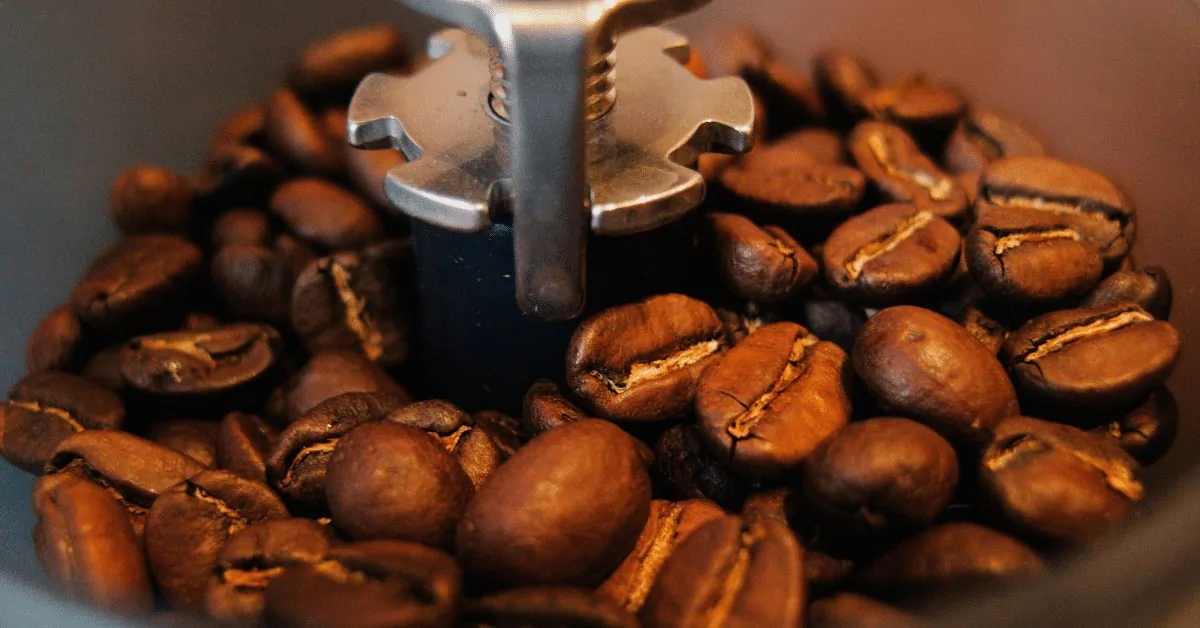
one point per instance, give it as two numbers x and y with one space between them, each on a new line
824 145
137 282
504 430
688 470
845 81
332 373
456 431
669 525
244 126
232 361
1083 199
836 321
641 362
1148 430
193 438
188 524
949 558
294 133
87 545
356 301
767 505
730 573
879 477
987 136
336 64
924 366
244 442
254 282
45 408
242 225
326 215
787 183
150 199
1149 287
104 368
296 467
891 254
201 321
543 519
298 253
770 401
742 319
901 173
370 584
1057 482
255 556
792 100
236 173
989 332
762 264
545 408
1032 258
928 111
57 344
851 610
545 607
1099 357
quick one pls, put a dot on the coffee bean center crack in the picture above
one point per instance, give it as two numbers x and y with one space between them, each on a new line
742 426
905 230
655 554
939 188
236 520
735 579
58 413
1014 240
358 320
1095 328
640 372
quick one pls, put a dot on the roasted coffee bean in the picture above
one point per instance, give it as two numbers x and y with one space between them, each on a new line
767 505
669 525
1057 482
642 361
891 254
294 133
878 478
193 438
87 545
545 408
730 573
254 282
824 145
836 321
1082 199
244 126
786 183
1028 258
851 610
949 558
770 401
1149 287
298 253
44 409
762 264
545 607
338 63
104 368
1101 357
137 283
201 321
326 215
393 481
368 584
742 319
456 431
544 519
150 199
332 373
986 136
242 225
1149 429
296 467
504 430
688 470
237 173
900 172
234 361
989 332
356 301
244 442
919 364
844 81
928 111
255 556
792 100
133 469
57 344
188 524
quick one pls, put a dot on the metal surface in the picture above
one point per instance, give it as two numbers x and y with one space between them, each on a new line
570 145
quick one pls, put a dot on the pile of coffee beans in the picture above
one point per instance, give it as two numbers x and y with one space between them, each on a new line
922 361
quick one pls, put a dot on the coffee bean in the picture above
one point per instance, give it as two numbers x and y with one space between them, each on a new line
201 321
294 133
928 111
236 361
326 215
824 145
785 183
86 544
368 584
851 610
252 558
1148 430
244 126
879 477
44 409
357 301
244 442
297 252
545 408
1149 287
1028 258
791 97
188 524
1082 199
844 81
332 373
368 169
836 321
641 362
456 431
950 558
297 465
544 519
545 607
236 173
986 136
767 505
891 254
688 470
139 282
150 199
1057 482
193 438
254 282
744 318
989 332
336 64
242 225
901 173
104 368
57 344
504 430
922 365
730 573
1101 357
761 264
770 401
